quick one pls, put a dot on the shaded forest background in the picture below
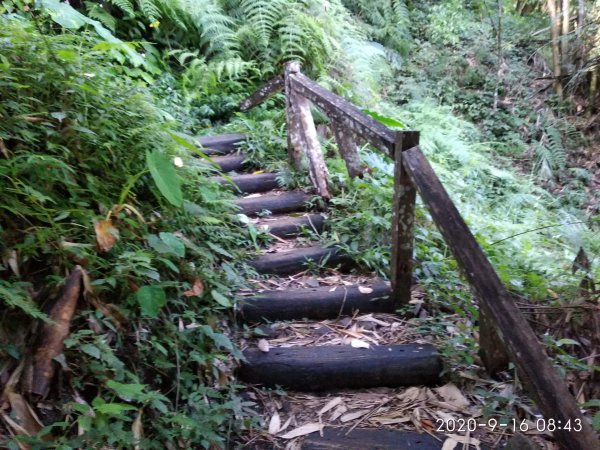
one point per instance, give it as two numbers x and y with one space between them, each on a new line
97 99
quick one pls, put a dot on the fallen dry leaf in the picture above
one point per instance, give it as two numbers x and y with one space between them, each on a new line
467 440
354 415
197 289
275 424
357 343
263 345
137 430
106 234
337 412
449 444
330 405
303 430
452 395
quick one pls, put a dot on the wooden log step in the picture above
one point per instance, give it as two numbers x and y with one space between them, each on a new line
316 303
342 366
374 439
296 260
220 144
252 183
229 163
276 203
286 226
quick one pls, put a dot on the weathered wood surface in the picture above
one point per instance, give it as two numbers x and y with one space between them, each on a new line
372 439
221 143
230 163
295 132
296 260
547 388
251 183
345 113
272 86
402 222
342 366
303 135
316 303
348 149
291 226
275 203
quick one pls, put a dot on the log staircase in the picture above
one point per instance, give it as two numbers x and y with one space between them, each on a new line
317 368
505 335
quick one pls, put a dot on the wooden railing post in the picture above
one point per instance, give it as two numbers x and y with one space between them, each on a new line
348 149
302 135
402 221
294 125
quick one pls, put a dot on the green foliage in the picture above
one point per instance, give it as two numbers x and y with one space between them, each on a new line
166 178
80 143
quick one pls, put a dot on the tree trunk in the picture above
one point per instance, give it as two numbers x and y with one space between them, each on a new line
555 30
564 42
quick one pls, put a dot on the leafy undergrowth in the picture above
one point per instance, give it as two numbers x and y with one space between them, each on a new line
88 181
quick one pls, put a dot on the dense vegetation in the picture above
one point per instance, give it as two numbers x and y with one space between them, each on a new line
97 99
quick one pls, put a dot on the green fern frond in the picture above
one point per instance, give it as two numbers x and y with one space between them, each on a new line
262 15
124 5
149 9
97 12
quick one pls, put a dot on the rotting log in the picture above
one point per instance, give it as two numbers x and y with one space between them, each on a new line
296 260
271 87
295 133
548 390
348 149
403 220
282 203
221 143
52 335
369 438
345 113
342 366
230 163
251 183
316 303
291 226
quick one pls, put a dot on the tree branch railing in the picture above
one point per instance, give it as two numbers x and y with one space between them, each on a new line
505 335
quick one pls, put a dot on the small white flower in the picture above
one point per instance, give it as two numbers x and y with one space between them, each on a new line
178 161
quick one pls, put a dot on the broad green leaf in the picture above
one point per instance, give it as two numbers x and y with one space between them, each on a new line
175 244
91 350
566 341
221 299
165 176
157 244
64 14
114 409
151 299
386 120
127 392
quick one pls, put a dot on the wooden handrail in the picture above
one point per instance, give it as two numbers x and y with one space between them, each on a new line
504 332
345 113
550 392
272 86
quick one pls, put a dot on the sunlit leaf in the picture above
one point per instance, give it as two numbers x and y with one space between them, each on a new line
151 299
165 176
